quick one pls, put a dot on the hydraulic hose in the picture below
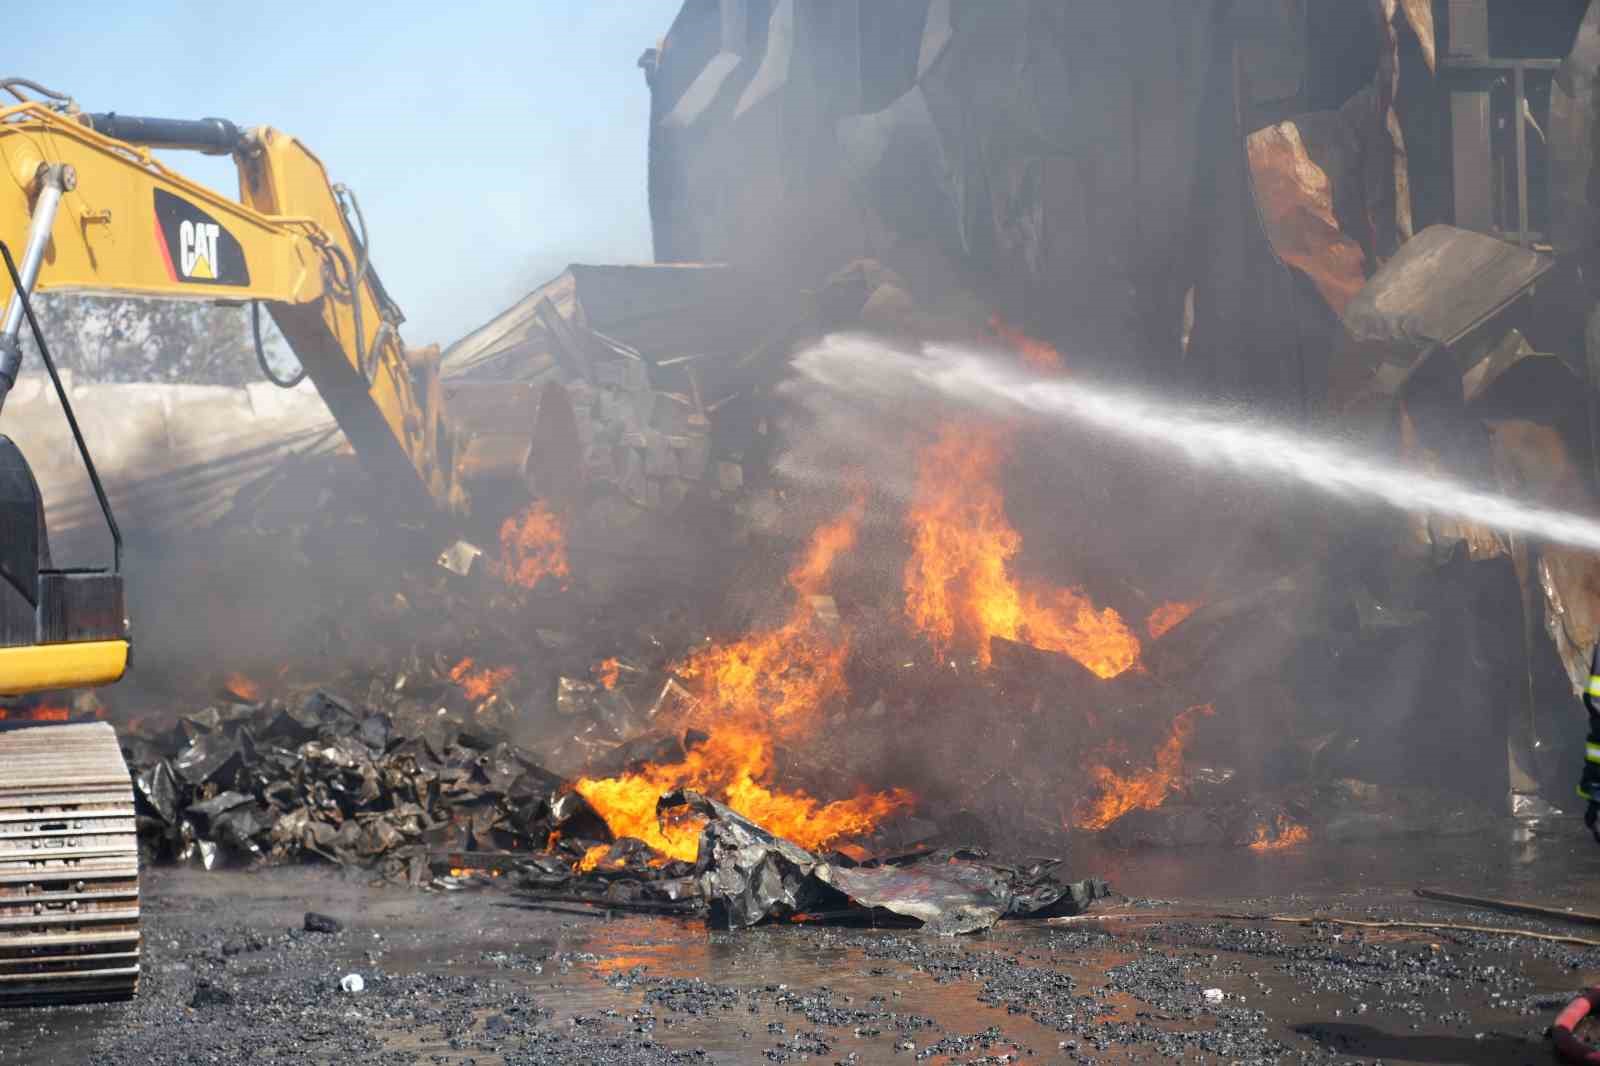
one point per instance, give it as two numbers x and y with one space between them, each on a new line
12 85
261 352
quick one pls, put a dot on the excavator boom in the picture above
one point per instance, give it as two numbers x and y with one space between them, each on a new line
116 220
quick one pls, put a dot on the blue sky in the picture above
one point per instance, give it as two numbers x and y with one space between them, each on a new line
490 143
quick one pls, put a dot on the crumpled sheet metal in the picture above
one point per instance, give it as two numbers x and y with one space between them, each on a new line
954 891
747 875
1295 197
949 899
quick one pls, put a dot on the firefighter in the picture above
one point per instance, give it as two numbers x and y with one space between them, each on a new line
1589 784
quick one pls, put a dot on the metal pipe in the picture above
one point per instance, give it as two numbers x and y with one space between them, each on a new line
209 136
1519 89
54 181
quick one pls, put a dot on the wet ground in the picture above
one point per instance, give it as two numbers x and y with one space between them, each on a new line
476 977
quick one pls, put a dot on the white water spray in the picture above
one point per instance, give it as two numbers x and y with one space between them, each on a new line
865 368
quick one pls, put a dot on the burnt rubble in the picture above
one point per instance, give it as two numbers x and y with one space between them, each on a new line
438 801
325 779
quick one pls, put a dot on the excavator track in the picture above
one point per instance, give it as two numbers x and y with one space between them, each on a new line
69 867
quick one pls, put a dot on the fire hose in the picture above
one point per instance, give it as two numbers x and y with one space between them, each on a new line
1567 1044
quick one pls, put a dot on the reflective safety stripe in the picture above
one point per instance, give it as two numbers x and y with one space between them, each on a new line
1582 792
1594 685
1591 752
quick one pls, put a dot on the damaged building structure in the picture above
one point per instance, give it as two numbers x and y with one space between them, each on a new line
1372 215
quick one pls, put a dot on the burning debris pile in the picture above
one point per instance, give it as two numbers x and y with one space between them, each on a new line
444 800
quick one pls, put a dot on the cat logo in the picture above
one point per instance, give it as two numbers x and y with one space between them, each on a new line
195 248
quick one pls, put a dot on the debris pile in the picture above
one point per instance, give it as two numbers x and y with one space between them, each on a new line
440 802
276 782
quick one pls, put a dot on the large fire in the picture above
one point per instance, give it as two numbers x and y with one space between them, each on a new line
533 545
479 683
768 685
958 582
1142 789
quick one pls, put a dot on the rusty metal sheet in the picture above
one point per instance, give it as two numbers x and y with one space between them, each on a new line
1295 196
1440 286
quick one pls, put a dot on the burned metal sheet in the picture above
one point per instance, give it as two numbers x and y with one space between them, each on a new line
949 898
1442 284
747 874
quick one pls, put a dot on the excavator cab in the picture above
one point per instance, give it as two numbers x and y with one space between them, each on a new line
58 628
69 853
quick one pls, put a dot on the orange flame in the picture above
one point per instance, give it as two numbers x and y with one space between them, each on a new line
958 582
1288 835
1165 617
478 684
591 857
607 672
39 713
770 684
242 687
829 541
732 764
1142 789
533 545
1036 353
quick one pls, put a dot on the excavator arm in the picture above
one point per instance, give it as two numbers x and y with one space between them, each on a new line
86 207
95 212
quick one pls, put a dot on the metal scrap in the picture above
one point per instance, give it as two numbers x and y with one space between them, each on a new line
748 875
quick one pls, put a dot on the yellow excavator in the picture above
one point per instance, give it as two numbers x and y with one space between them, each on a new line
85 206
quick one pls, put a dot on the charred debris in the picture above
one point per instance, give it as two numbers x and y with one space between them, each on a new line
441 803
